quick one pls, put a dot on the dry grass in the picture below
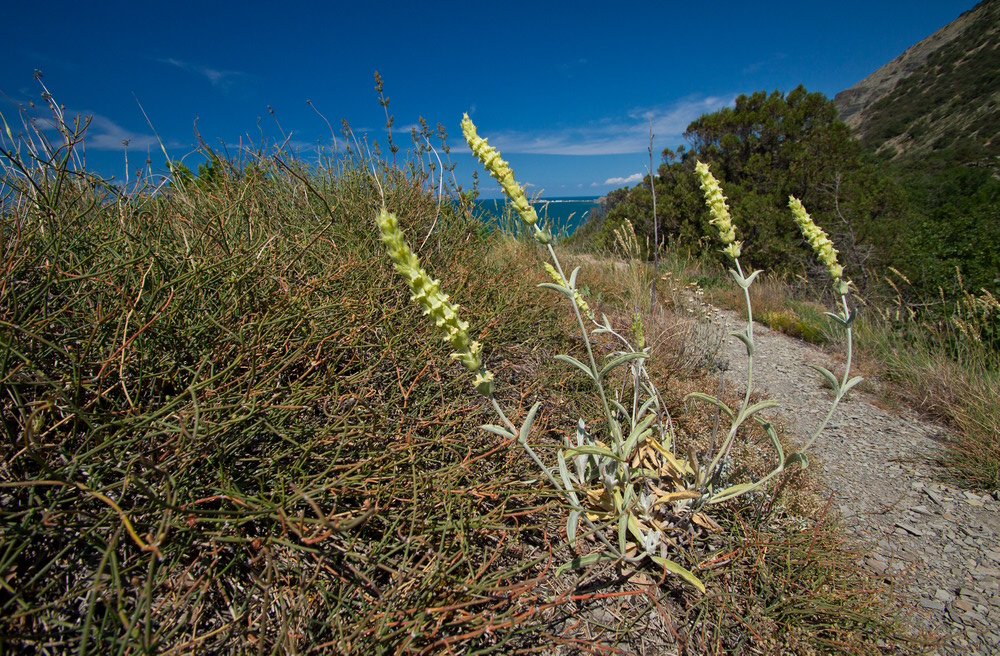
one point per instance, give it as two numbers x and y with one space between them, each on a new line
227 430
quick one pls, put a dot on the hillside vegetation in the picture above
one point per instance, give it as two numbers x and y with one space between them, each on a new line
227 429
941 97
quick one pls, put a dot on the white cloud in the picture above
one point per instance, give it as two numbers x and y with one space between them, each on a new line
105 134
625 135
619 182
220 79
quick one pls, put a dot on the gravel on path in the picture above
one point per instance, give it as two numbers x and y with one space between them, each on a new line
938 541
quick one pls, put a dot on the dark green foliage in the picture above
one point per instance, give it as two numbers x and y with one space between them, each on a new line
767 147
937 133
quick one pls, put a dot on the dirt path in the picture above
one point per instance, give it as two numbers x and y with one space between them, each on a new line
938 541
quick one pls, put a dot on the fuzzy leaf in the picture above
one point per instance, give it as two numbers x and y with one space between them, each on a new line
645 407
498 430
640 431
584 561
741 281
620 360
571 524
839 318
829 377
851 383
731 492
774 437
593 450
526 426
714 401
743 337
797 458
558 288
569 359
623 531
674 568
572 277
635 528
757 407
566 479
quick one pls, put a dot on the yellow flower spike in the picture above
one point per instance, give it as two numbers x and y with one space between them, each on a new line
717 207
819 242
500 170
427 293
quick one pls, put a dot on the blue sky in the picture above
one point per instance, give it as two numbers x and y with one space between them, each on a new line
565 90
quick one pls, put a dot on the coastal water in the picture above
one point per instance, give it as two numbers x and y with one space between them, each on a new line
562 215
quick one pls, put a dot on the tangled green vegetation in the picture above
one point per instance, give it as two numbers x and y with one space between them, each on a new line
227 431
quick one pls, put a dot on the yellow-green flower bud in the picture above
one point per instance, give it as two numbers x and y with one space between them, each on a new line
500 170
637 336
819 242
717 207
427 293
484 383
559 280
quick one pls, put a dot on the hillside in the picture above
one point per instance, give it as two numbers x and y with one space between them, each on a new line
941 94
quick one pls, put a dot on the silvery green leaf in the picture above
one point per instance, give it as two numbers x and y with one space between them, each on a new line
593 450
572 277
797 458
851 383
644 408
640 431
558 288
581 433
620 360
584 561
576 363
580 462
571 524
740 280
498 430
774 437
751 277
743 337
622 531
674 568
526 426
757 407
566 479
839 318
714 401
829 377
564 472
732 492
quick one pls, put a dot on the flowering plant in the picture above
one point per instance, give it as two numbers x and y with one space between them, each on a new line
622 478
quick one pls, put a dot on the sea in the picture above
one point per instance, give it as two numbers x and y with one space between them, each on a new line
561 215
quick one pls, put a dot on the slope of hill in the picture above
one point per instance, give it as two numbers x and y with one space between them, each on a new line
941 94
